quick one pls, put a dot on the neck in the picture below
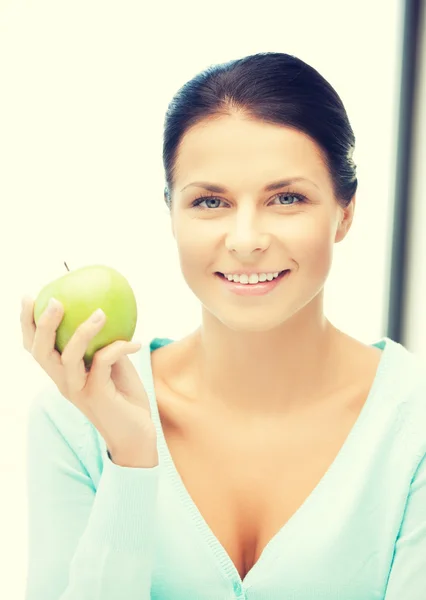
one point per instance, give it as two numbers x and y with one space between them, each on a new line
266 372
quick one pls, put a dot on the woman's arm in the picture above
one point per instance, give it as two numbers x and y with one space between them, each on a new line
85 544
407 580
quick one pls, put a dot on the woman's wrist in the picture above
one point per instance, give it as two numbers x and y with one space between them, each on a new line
137 455
137 460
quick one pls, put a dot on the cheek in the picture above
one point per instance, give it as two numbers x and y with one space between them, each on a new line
194 248
311 246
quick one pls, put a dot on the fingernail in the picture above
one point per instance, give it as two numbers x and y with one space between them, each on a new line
53 306
97 316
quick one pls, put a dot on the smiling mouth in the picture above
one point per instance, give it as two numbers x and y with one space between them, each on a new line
253 289
280 273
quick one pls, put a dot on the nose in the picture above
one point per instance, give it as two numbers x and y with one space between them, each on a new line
246 237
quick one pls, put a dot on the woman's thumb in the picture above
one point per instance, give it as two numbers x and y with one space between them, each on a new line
112 363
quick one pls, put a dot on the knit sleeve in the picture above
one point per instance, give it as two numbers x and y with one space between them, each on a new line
85 543
407 578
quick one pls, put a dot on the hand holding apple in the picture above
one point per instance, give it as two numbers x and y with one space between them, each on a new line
83 291
110 394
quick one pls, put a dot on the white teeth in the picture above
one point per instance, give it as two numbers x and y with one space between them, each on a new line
252 279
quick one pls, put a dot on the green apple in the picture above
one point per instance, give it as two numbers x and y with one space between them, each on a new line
83 291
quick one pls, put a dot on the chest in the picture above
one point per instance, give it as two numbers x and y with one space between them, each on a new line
248 482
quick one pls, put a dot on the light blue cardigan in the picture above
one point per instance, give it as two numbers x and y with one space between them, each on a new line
99 531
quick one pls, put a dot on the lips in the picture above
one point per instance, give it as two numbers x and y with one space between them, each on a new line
254 273
252 289
279 273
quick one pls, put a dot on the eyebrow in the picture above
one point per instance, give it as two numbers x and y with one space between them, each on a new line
275 185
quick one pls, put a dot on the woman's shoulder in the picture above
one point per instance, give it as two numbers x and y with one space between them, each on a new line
404 369
49 405
58 426
402 385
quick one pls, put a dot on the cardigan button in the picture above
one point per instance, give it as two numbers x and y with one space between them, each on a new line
238 589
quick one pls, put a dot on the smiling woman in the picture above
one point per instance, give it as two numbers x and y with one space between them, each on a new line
291 456
260 179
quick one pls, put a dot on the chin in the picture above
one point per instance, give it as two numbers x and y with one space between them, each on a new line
259 316
262 322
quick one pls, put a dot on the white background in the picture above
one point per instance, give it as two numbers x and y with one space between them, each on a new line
84 89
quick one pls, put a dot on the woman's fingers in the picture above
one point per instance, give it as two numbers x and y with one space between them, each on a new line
28 327
104 361
68 369
73 354
41 338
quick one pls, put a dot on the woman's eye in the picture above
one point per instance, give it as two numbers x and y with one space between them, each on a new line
213 200
201 201
288 196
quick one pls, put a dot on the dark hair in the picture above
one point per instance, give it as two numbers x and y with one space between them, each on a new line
274 88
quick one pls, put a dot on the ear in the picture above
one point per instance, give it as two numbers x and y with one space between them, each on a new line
171 217
345 220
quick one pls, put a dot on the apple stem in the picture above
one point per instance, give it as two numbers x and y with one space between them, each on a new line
66 265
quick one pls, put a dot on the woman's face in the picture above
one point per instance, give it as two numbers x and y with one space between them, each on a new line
245 226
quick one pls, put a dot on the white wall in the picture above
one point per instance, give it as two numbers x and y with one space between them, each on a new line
84 89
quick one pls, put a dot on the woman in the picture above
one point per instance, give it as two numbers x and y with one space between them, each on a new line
267 455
